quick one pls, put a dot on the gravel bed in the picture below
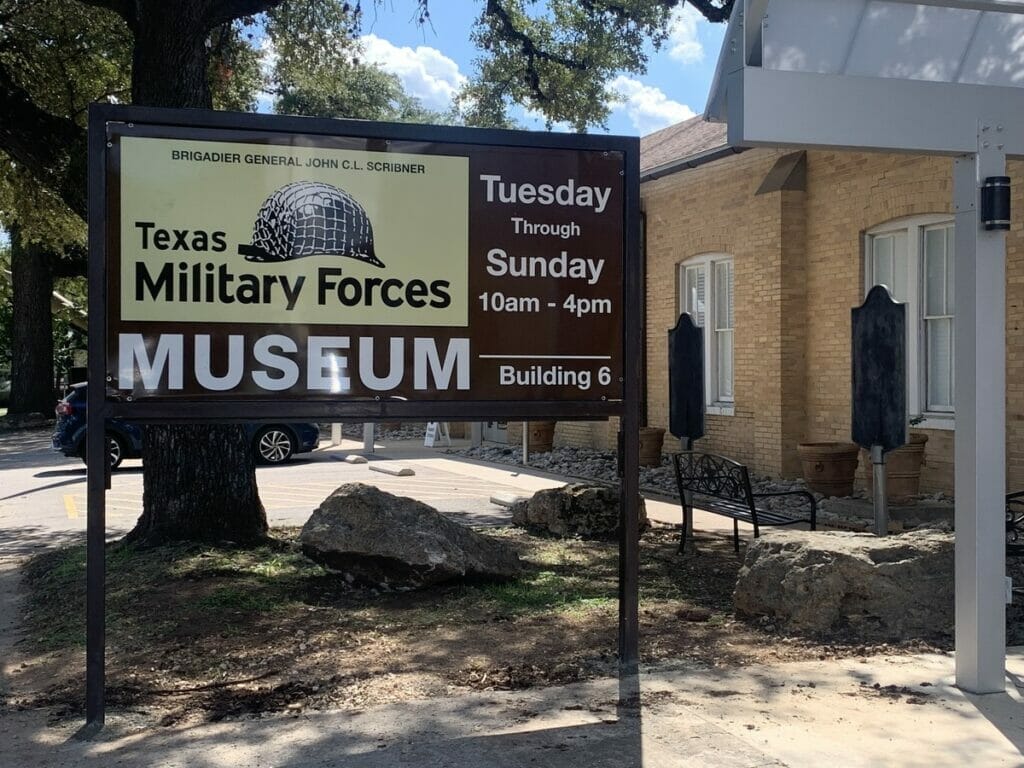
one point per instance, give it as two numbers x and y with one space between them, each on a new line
599 466
411 431
589 464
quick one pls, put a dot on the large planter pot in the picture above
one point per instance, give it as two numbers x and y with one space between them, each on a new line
829 468
541 438
651 440
902 471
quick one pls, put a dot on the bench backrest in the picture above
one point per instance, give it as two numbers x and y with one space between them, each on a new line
710 475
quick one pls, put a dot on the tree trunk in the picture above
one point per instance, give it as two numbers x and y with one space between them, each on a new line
199 484
32 328
199 480
169 60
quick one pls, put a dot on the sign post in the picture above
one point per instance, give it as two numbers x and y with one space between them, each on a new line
686 391
358 272
879 373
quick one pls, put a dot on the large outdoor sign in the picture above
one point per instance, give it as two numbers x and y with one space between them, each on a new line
254 264
245 267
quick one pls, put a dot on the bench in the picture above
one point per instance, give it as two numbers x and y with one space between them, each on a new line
724 488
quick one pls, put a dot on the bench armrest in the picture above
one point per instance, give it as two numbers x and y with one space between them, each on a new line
806 494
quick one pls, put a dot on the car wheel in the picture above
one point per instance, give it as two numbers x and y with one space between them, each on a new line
274 445
115 449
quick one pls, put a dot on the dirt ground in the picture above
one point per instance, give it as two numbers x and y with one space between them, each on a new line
202 634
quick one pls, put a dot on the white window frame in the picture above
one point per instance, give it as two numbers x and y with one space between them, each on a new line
914 227
714 403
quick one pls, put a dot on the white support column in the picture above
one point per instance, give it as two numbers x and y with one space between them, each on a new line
980 442
368 431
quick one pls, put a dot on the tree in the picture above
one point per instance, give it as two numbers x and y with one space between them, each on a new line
200 482
318 71
66 62
557 57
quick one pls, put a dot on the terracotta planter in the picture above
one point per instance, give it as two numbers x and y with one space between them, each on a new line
902 471
829 468
541 438
651 440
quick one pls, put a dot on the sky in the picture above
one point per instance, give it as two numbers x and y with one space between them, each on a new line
433 60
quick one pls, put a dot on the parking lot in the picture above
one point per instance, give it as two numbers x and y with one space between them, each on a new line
43 498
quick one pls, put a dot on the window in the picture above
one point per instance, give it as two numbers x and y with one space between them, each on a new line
706 292
914 259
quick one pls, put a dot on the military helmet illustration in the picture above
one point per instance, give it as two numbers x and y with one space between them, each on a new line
307 218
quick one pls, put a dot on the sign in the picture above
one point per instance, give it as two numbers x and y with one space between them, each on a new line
686 379
430 435
250 264
253 267
879 371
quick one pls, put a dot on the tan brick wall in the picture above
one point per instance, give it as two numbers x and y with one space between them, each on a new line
575 434
798 272
713 209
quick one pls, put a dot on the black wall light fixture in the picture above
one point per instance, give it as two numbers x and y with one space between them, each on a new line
995 202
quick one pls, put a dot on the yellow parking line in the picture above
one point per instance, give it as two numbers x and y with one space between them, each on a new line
70 507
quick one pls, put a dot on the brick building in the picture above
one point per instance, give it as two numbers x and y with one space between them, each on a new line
770 249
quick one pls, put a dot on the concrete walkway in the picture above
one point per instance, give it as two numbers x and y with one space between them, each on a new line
889 711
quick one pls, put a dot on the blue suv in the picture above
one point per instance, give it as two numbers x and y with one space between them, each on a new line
271 443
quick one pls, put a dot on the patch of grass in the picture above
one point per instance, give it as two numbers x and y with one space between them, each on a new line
145 586
546 590
240 598
271 565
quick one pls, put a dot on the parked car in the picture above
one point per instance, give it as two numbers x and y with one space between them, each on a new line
271 443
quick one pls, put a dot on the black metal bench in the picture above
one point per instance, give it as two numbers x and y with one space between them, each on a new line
1015 524
723 486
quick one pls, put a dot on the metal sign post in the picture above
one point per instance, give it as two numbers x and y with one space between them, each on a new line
358 272
878 497
686 390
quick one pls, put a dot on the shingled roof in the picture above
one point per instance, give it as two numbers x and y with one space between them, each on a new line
680 142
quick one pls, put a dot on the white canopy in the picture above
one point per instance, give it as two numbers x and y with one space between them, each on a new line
874 74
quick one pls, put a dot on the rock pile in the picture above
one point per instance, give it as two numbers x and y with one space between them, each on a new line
586 511
381 540
857 585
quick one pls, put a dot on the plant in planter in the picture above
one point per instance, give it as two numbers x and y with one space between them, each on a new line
541 436
829 467
903 468
651 441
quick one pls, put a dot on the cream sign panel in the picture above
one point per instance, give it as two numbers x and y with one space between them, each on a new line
221 232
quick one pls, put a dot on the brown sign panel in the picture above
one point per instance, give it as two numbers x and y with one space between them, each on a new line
251 265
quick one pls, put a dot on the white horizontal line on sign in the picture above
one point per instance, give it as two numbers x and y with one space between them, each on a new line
545 357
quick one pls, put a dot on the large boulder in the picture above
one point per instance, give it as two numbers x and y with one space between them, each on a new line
858 585
586 511
379 539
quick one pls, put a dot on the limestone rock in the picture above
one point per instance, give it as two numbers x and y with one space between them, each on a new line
857 585
379 539
587 511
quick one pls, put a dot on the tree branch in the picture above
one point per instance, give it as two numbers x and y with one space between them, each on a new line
527 45
51 148
123 8
224 11
711 10
715 11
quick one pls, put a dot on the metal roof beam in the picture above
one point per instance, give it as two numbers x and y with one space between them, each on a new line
803 109
999 6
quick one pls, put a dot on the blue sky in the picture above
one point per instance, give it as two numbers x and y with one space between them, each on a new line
432 60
